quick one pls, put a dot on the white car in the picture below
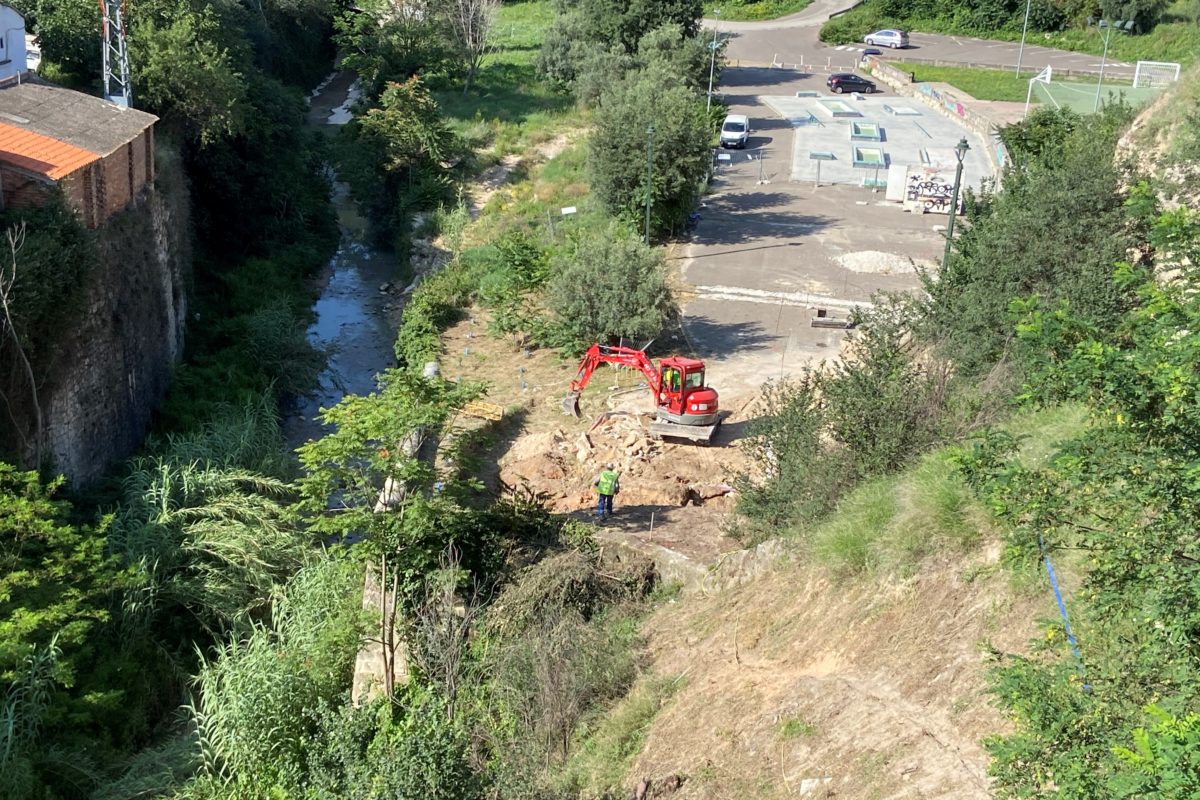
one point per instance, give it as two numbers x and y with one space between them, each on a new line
735 130
887 38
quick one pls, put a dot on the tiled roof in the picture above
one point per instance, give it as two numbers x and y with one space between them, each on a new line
40 154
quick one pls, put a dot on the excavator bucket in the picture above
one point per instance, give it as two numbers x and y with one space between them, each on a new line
570 404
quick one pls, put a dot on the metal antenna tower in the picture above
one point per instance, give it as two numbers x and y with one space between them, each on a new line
117 88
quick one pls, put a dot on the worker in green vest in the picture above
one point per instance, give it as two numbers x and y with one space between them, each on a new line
608 485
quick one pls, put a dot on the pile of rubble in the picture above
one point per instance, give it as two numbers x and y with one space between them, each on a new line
653 472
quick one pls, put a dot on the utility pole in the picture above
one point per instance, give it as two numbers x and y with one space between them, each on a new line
649 176
1024 30
1103 59
712 62
115 55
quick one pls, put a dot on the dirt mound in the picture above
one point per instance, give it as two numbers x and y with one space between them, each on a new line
676 495
653 473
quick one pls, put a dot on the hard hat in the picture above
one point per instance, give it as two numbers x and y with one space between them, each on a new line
610 465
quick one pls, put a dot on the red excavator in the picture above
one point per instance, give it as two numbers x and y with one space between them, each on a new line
686 407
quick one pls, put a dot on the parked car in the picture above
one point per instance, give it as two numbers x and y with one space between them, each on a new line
887 38
735 130
871 51
840 82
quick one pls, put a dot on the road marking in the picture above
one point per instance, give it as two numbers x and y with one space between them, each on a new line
799 299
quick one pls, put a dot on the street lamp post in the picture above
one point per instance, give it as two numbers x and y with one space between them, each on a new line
1103 60
960 150
712 63
1024 30
649 176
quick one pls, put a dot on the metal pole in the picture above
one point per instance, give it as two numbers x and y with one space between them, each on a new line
712 64
953 211
1103 59
649 176
1024 30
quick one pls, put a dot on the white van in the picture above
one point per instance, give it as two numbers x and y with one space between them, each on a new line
735 130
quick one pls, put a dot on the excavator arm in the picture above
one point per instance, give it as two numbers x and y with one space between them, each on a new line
604 354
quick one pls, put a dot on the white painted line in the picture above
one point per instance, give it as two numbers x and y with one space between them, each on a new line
798 299
840 47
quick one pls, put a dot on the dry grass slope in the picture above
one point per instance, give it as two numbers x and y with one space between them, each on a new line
860 676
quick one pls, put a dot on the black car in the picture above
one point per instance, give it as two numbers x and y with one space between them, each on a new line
849 82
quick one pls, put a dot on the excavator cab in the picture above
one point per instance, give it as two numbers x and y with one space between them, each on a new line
683 398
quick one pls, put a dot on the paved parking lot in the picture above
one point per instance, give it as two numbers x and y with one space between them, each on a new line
770 253
794 39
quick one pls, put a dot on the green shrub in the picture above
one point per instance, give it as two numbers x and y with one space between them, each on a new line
836 424
1065 207
611 285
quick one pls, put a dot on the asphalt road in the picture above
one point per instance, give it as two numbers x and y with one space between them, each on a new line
793 40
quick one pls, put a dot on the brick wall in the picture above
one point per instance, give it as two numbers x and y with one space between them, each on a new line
103 188
124 173
21 191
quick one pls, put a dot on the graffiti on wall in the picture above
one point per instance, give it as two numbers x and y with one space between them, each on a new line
947 102
928 191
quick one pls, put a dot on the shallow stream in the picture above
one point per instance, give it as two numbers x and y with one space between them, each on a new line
350 321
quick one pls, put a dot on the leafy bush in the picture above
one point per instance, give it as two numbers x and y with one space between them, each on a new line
1122 493
53 576
611 285
836 424
403 748
394 157
56 256
254 696
1064 206
584 29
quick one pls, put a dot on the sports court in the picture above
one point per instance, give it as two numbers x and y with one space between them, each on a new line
1084 97
855 139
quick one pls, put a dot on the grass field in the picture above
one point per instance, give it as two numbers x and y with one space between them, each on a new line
982 84
1081 97
994 84
742 10
509 107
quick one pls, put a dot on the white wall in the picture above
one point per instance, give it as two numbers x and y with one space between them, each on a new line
12 43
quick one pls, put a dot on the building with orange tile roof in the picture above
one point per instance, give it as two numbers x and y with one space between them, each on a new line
101 155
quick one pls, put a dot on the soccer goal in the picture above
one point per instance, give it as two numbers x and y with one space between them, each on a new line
1088 96
1155 74
1044 77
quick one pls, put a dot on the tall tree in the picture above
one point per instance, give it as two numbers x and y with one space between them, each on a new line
472 22
623 169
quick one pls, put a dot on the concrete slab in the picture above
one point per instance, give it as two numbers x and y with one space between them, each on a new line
916 139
